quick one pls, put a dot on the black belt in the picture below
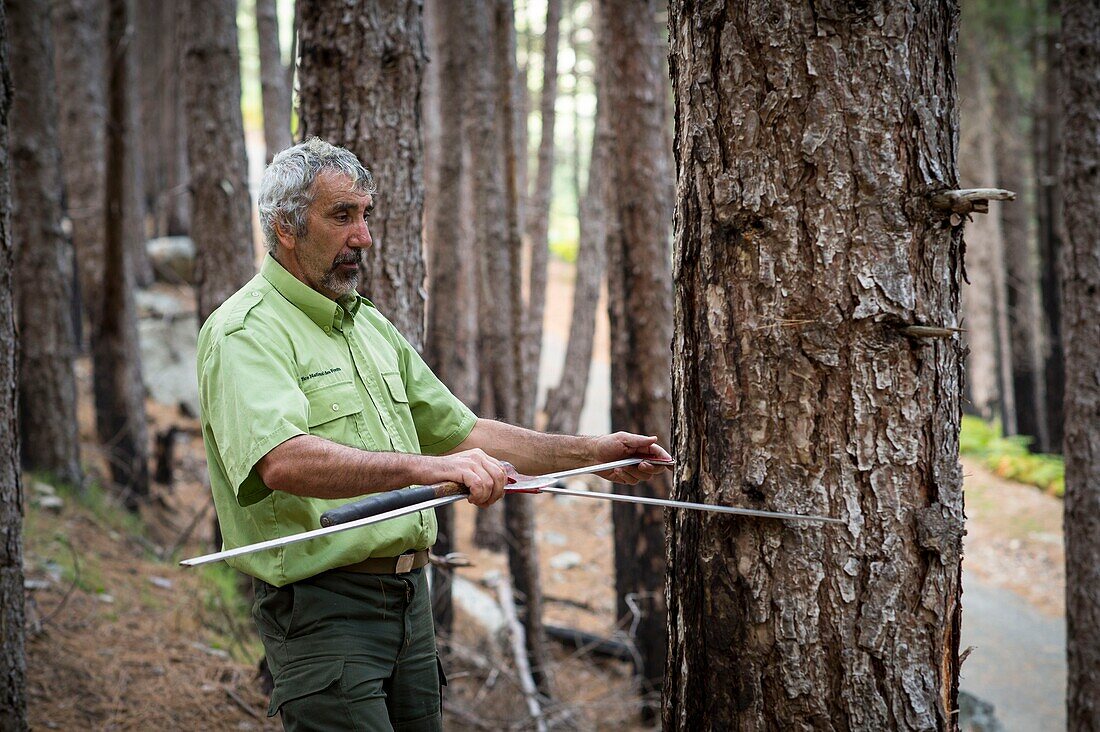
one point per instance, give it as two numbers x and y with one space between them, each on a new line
389 565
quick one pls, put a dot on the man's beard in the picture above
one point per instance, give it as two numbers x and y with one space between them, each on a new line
341 282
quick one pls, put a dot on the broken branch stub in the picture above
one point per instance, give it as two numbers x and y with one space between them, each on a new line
970 200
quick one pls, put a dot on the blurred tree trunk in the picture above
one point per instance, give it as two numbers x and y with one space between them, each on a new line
497 325
565 401
632 45
988 367
519 516
222 229
274 80
538 213
161 39
804 239
116 360
1081 328
1048 143
13 662
451 333
360 88
44 259
1022 281
80 30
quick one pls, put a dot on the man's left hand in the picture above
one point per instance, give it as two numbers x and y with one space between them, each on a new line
622 445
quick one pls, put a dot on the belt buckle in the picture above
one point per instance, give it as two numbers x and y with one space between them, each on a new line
405 563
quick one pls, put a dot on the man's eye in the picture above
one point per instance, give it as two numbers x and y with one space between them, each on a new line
342 217
367 214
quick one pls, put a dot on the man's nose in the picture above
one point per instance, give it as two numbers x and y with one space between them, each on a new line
361 238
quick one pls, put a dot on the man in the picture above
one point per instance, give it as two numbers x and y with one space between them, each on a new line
310 397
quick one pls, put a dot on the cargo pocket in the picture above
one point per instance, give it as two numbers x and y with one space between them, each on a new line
299 681
332 410
442 679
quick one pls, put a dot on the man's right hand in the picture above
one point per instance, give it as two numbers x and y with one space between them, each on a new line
485 476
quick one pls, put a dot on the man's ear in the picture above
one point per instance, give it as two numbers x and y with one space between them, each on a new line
285 235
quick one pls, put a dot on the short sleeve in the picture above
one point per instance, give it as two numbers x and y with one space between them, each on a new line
251 402
442 421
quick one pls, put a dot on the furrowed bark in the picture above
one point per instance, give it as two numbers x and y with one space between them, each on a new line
1048 142
118 389
80 29
451 332
13 664
538 213
984 303
808 139
519 516
44 257
359 87
1081 327
632 45
274 80
1022 280
222 228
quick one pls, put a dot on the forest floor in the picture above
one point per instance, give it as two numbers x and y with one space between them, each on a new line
121 638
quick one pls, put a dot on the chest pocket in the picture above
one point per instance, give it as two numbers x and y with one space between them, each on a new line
396 386
332 413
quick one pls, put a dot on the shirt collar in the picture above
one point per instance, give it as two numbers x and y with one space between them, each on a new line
322 311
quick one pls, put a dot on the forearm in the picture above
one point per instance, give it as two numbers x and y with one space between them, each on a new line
532 453
314 467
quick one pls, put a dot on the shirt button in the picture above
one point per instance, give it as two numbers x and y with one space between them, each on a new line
336 407
255 294
328 329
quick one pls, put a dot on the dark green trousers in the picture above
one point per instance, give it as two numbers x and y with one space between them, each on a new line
352 652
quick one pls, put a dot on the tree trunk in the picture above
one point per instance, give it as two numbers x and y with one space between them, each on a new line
80 30
450 338
1081 327
161 38
45 278
538 213
274 81
13 663
497 322
988 367
222 228
565 401
360 88
1022 280
1048 143
639 301
808 138
519 516
116 365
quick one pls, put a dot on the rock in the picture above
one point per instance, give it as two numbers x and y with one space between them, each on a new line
553 537
480 605
216 652
36 584
161 582
976 715
50 503
104 597
565 560
173 259
40 487
168 351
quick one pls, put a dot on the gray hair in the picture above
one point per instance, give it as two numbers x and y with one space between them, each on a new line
286 187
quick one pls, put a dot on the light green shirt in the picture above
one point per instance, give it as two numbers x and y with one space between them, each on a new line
278 359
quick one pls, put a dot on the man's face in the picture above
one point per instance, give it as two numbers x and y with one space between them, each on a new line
329 253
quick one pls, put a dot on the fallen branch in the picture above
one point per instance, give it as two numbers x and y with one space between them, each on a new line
519 649
242 704
590 643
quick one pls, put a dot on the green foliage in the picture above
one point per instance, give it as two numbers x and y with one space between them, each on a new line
1009 457
565 250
